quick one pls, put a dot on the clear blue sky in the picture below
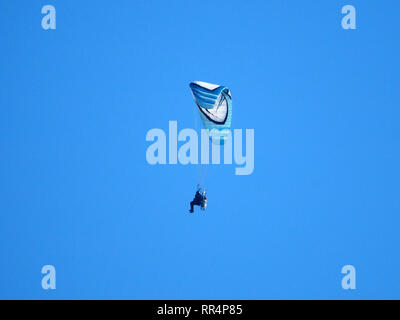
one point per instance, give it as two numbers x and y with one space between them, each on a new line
76 191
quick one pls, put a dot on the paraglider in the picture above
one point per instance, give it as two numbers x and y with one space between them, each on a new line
214 103
200 199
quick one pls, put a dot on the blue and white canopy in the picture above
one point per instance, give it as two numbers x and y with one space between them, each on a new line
215 105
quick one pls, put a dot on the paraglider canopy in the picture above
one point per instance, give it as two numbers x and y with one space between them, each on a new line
214 103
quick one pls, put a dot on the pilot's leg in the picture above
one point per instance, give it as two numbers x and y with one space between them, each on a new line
191 207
